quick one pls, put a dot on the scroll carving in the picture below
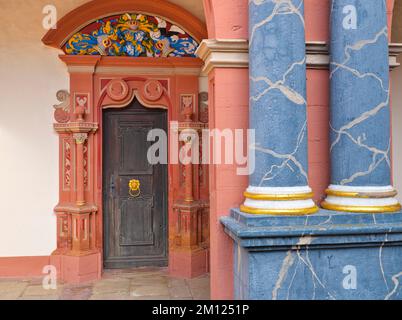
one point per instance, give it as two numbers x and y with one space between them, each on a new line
62 110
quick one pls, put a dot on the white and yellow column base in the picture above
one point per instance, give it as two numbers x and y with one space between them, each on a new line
361 199
279 201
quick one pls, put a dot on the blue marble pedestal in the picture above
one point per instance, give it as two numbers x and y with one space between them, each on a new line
328 255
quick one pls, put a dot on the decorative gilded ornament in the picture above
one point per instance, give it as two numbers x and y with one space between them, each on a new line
134 188
133 35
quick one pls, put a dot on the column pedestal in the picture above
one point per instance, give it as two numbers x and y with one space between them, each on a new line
77 268
326 256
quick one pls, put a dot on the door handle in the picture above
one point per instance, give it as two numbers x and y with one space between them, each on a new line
134 188
112 186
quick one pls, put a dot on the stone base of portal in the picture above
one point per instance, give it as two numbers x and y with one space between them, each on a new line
186 263
329 255
77 268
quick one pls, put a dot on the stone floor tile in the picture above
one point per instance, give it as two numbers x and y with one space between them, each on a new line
111 286
39 291
111 296
149 280
149 290
200 282
200 293
10 290
130 284
180 292
76 293
175 282
51 297
152 298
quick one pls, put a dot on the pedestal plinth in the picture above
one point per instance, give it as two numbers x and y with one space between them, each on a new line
327 256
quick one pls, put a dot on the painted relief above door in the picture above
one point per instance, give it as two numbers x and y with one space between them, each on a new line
133 35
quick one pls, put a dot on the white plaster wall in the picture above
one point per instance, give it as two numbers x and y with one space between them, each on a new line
30 76
396 82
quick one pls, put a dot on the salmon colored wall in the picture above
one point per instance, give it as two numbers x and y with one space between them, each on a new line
228 108
13 267
317 14
226 19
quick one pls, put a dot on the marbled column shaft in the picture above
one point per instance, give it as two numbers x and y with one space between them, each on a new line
278 106
360 111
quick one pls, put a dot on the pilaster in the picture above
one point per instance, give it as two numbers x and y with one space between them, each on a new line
76 211
191 244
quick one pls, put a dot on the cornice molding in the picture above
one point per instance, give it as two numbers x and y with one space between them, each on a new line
395 49
318 55
223 53
132 66
233 53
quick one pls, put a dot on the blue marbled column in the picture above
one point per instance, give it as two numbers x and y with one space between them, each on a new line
278 95
360 96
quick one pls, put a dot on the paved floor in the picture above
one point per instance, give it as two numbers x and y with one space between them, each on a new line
132 284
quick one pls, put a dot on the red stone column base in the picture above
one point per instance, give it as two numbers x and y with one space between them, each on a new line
188 263
77 268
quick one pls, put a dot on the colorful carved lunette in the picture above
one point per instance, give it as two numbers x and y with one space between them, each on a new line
133 35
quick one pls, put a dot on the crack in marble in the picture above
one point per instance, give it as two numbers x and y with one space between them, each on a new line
287 158
361 144
374 164
380 259
288 92
363 117
360 75
287 263
280 5
358 46
395 280
311 269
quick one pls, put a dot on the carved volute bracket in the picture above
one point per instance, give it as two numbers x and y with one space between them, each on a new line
62 110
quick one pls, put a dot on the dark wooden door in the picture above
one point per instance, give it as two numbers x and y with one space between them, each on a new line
135 227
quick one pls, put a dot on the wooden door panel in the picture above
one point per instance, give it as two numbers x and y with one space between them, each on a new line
136 223
138 164
135 227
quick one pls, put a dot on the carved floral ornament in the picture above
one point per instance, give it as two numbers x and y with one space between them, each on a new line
120 91
133 35
80 137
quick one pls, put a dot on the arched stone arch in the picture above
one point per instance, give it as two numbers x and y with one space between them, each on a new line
226 19
97 9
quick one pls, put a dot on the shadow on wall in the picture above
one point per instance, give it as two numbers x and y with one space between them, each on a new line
396 82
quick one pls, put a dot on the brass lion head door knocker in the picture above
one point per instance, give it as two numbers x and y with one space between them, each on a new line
134 188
